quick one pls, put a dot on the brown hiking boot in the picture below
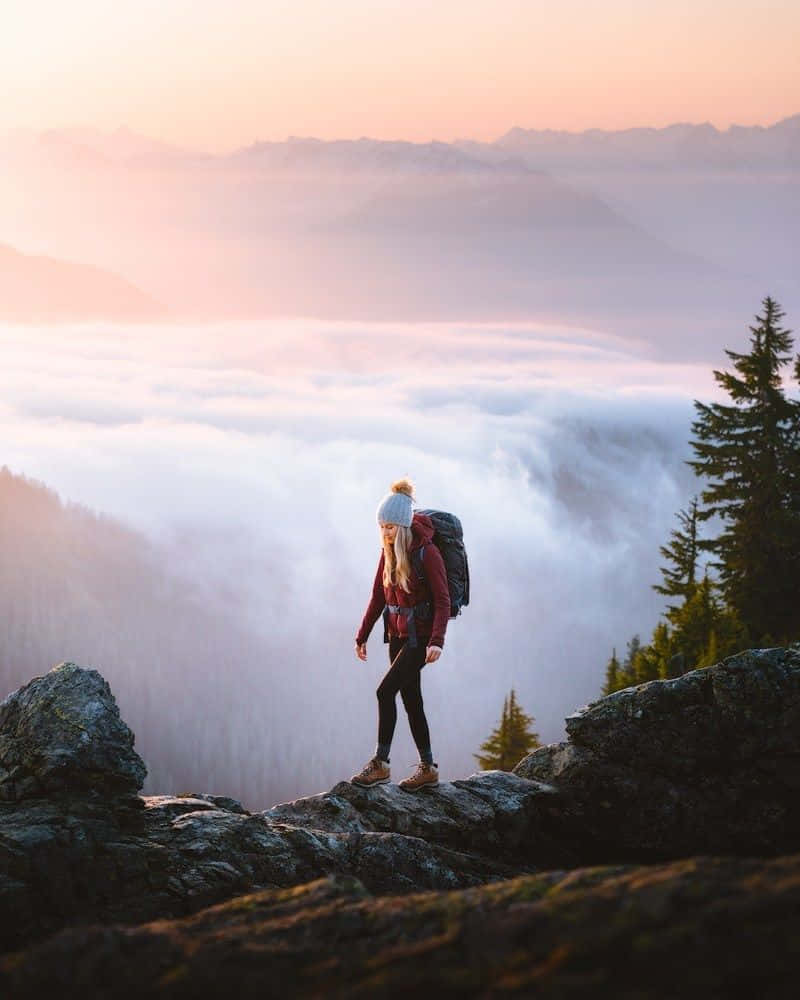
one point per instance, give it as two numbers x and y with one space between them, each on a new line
375 773
425 774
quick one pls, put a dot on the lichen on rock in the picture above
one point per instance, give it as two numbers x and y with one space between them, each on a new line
62 734
705 762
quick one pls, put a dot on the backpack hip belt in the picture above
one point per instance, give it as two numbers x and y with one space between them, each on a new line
421 611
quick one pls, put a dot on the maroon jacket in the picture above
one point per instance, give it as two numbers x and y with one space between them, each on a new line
430 631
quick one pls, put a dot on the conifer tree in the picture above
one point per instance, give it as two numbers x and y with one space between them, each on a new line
682 553
494 748
794 479
511 740
622 675
612 674
627 675
704 630
646 665
662 650
747 452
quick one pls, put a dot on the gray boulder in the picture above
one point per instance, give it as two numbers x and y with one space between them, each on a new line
77 844
493 814
62 734
65 862
706 762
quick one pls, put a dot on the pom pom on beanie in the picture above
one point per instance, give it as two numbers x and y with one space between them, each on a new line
397 506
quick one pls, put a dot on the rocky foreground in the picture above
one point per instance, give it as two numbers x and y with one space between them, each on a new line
710 927
649 855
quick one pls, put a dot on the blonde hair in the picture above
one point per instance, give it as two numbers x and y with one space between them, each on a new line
397 561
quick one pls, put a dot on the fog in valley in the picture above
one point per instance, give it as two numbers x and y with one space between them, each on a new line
213 366
237 469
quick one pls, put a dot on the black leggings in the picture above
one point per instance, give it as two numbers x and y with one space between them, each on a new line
403 676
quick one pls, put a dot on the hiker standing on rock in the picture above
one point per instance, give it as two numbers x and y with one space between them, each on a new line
412 592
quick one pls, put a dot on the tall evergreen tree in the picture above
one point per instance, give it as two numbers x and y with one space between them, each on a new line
794 477
682 553
747 452
511 740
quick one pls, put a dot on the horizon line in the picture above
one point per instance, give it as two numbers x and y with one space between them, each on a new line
99 130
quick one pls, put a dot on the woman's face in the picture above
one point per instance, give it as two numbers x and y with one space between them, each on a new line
388 533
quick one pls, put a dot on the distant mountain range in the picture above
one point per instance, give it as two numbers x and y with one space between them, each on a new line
681 144
679 228
86 143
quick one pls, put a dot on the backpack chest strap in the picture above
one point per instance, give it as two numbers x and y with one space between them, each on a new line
421 610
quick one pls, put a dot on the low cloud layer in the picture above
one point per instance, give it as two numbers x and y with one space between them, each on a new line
256 453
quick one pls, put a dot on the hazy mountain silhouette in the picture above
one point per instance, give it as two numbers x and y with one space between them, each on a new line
679 145
88 144
662 233
553 228
362 155
43 289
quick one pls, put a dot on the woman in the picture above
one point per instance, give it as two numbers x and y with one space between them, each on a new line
411 585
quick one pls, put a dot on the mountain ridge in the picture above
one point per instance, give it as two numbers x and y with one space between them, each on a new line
123 144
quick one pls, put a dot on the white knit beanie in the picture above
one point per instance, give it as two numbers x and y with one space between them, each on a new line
397 506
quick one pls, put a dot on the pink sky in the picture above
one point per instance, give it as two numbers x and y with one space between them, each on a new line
217 74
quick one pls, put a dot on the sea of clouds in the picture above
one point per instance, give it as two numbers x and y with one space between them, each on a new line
255 455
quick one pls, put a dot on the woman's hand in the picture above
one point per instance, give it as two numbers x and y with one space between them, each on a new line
433 653
361 651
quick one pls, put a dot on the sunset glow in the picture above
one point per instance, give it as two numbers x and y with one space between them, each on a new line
214 75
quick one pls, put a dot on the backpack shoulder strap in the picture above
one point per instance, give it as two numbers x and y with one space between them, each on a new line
417 559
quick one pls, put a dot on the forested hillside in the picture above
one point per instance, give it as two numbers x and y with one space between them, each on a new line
732 573
75 585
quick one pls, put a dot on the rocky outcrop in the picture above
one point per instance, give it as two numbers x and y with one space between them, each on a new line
493 814
77 844
706 762
704 927
62 735
63 863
